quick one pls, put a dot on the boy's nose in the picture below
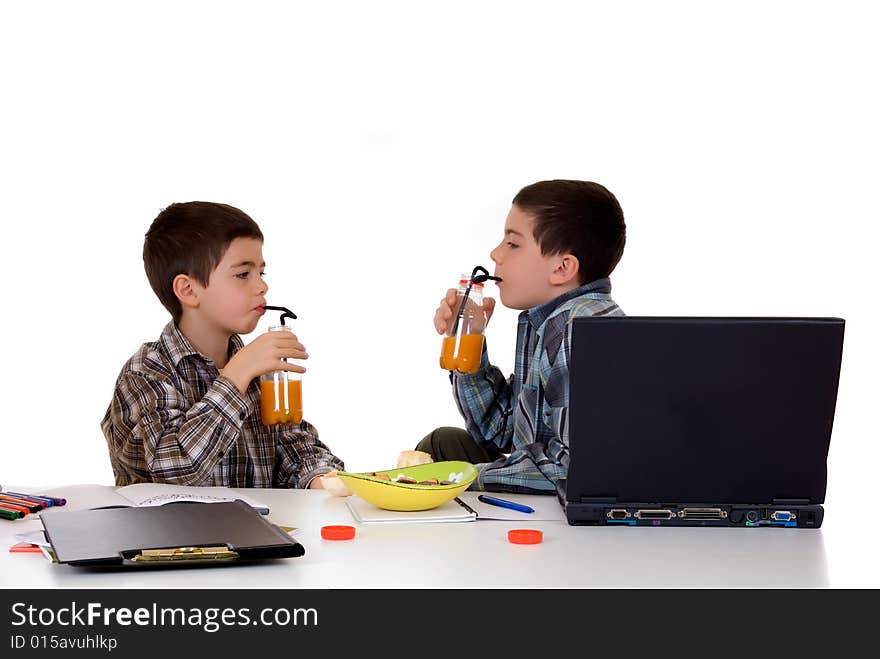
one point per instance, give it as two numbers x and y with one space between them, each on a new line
494 255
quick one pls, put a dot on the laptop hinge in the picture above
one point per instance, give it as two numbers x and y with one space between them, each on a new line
598 499
791 502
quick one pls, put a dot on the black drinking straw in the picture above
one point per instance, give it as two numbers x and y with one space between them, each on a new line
475 279
287 312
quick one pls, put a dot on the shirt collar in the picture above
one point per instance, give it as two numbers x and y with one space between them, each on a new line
537 315
179 347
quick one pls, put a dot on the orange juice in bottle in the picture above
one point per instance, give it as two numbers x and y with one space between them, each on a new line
462 346
281 394
280 400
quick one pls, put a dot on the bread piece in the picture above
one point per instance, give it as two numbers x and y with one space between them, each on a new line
334 485
413 458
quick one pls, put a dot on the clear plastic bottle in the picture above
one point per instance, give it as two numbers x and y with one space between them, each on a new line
281 393
463 344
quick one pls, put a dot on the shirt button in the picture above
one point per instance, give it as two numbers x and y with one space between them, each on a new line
243 416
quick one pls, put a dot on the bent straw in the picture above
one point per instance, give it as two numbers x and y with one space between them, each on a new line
287 312
475 279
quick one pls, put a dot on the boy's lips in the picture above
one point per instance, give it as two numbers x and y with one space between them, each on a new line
260 310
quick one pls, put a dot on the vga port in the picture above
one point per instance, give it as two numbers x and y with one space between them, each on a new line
783 516
617 513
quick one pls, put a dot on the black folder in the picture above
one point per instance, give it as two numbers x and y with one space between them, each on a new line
173 534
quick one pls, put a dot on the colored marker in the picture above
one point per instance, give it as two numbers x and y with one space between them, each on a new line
56 500
504 503
12 508
7 513
32 506
46 501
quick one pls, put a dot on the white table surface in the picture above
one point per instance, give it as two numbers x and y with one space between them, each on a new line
477 554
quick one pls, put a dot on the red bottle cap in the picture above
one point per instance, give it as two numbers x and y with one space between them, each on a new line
337 532
525 536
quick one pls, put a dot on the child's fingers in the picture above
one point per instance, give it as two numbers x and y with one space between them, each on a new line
488 306
440 321
444 311
295 354
287 342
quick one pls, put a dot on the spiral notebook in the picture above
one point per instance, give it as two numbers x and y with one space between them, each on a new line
451 511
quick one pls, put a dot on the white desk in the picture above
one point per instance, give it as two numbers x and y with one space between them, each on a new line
477 554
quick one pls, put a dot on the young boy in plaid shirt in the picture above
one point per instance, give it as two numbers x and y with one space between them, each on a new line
186 408
562 239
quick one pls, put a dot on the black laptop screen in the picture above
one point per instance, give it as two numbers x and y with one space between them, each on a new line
709 410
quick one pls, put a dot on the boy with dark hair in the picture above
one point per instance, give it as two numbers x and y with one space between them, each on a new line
186 408
562 239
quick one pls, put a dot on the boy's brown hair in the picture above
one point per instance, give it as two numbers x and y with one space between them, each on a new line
576 217
190 239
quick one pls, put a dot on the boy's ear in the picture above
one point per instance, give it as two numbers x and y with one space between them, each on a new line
566 270
186 291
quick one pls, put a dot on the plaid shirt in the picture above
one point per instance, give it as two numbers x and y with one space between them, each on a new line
174 419
526 415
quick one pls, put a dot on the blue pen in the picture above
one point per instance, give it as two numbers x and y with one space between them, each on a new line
503 503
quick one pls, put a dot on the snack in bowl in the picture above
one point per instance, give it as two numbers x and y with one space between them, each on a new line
421 487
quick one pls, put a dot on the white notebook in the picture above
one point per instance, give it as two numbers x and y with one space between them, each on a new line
80 497
451 511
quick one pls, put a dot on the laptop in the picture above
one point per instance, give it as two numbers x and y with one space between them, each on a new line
700 421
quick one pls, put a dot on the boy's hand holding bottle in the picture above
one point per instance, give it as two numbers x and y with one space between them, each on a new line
268 357
267 353
462 316
444 316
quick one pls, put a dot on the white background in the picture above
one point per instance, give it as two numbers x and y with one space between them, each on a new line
379 144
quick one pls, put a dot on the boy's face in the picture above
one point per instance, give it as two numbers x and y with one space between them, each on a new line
234 299
527 274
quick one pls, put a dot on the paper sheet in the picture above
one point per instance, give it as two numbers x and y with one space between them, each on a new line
547 508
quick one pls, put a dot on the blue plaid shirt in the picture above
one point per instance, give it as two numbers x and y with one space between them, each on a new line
526 415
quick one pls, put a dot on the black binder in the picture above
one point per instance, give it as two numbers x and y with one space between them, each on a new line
173 534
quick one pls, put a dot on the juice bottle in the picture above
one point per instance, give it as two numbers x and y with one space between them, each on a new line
281 394
463 344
